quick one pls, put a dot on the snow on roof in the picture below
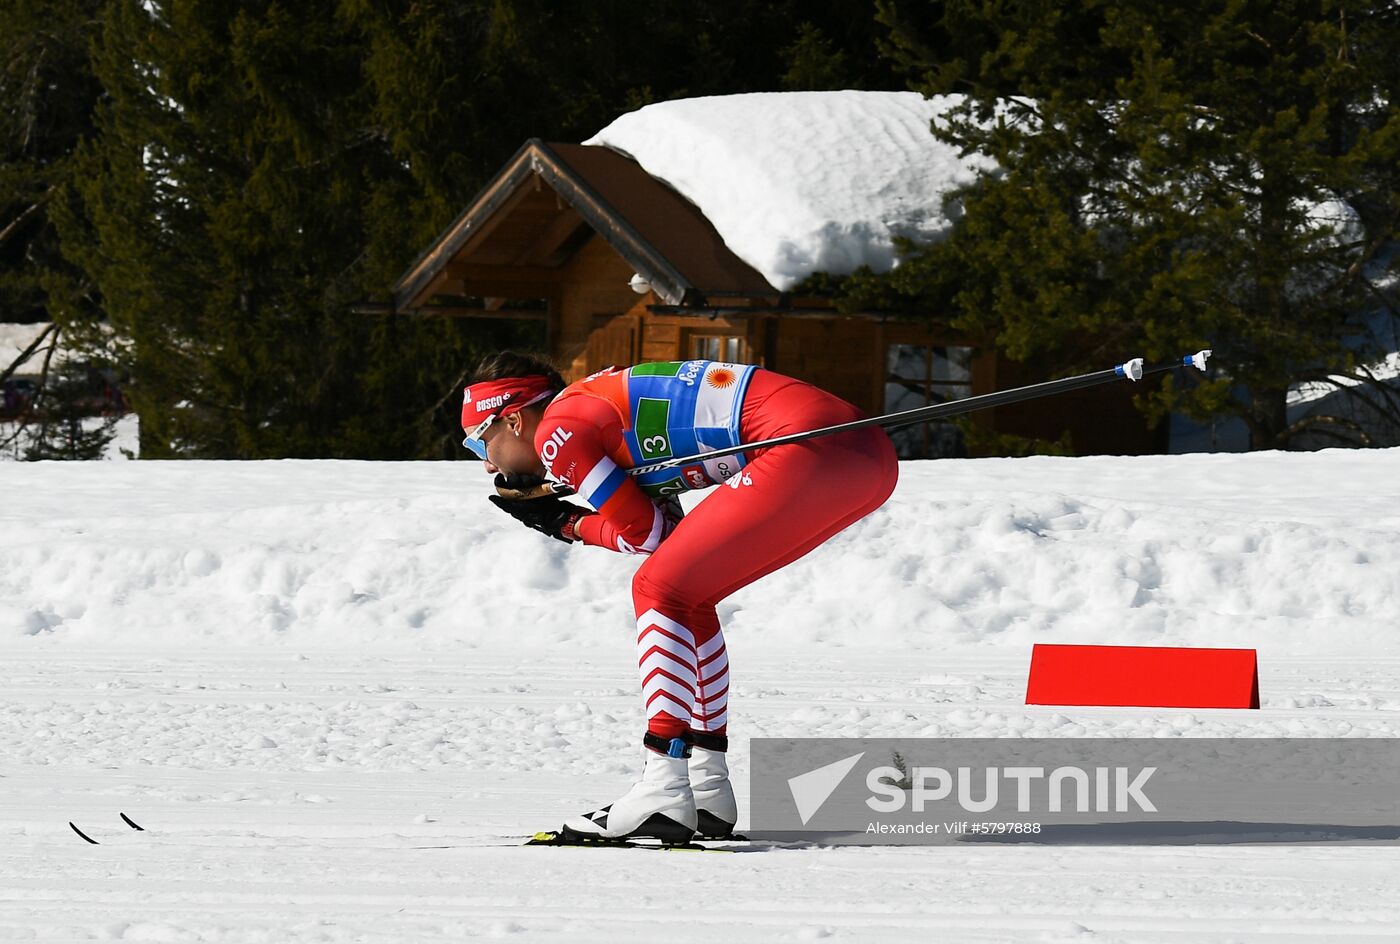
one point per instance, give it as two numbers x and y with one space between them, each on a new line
804 182
1385 369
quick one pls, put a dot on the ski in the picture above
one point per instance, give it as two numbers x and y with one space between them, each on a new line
545 838
125 819
84 835
554 837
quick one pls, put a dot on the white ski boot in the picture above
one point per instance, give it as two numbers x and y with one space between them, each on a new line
659 806
716 810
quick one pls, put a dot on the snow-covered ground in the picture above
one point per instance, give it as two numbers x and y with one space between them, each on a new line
334 693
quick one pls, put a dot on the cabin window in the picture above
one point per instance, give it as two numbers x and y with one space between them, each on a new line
729 348
919 375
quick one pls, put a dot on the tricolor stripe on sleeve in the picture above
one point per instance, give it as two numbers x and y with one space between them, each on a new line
601 482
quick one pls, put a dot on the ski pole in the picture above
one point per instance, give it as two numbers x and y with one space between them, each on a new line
1130 370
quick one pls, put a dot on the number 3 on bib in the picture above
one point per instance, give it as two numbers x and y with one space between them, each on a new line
652 427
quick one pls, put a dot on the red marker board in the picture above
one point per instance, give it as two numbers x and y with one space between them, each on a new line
1143 676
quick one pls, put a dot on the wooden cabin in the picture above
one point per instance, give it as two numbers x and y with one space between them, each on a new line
623 269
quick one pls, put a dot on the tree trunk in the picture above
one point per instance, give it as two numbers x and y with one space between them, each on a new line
1268 418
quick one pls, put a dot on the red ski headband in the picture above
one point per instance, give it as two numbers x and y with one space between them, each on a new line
501 398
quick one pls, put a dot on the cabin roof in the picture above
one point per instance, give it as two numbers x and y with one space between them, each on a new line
550 198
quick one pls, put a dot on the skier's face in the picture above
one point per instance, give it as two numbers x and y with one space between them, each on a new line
510 444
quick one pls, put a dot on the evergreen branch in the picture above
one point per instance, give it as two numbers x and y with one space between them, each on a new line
1102 170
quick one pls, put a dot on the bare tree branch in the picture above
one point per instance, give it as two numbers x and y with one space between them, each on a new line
1321 425
1386 406
28 352
14 225
42 386
22 424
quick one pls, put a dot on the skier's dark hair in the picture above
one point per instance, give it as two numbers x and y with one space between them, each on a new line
516 364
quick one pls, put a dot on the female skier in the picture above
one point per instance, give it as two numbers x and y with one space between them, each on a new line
533 431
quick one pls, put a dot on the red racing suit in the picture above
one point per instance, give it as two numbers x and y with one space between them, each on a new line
777 504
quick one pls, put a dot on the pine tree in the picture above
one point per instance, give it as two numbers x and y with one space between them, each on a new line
223 210
1171 178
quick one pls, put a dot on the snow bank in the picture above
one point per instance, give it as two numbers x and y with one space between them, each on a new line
803 182
1292 553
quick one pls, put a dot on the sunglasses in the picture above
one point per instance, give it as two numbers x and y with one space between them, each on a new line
474 442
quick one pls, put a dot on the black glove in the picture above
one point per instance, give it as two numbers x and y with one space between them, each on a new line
549 515
524 485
